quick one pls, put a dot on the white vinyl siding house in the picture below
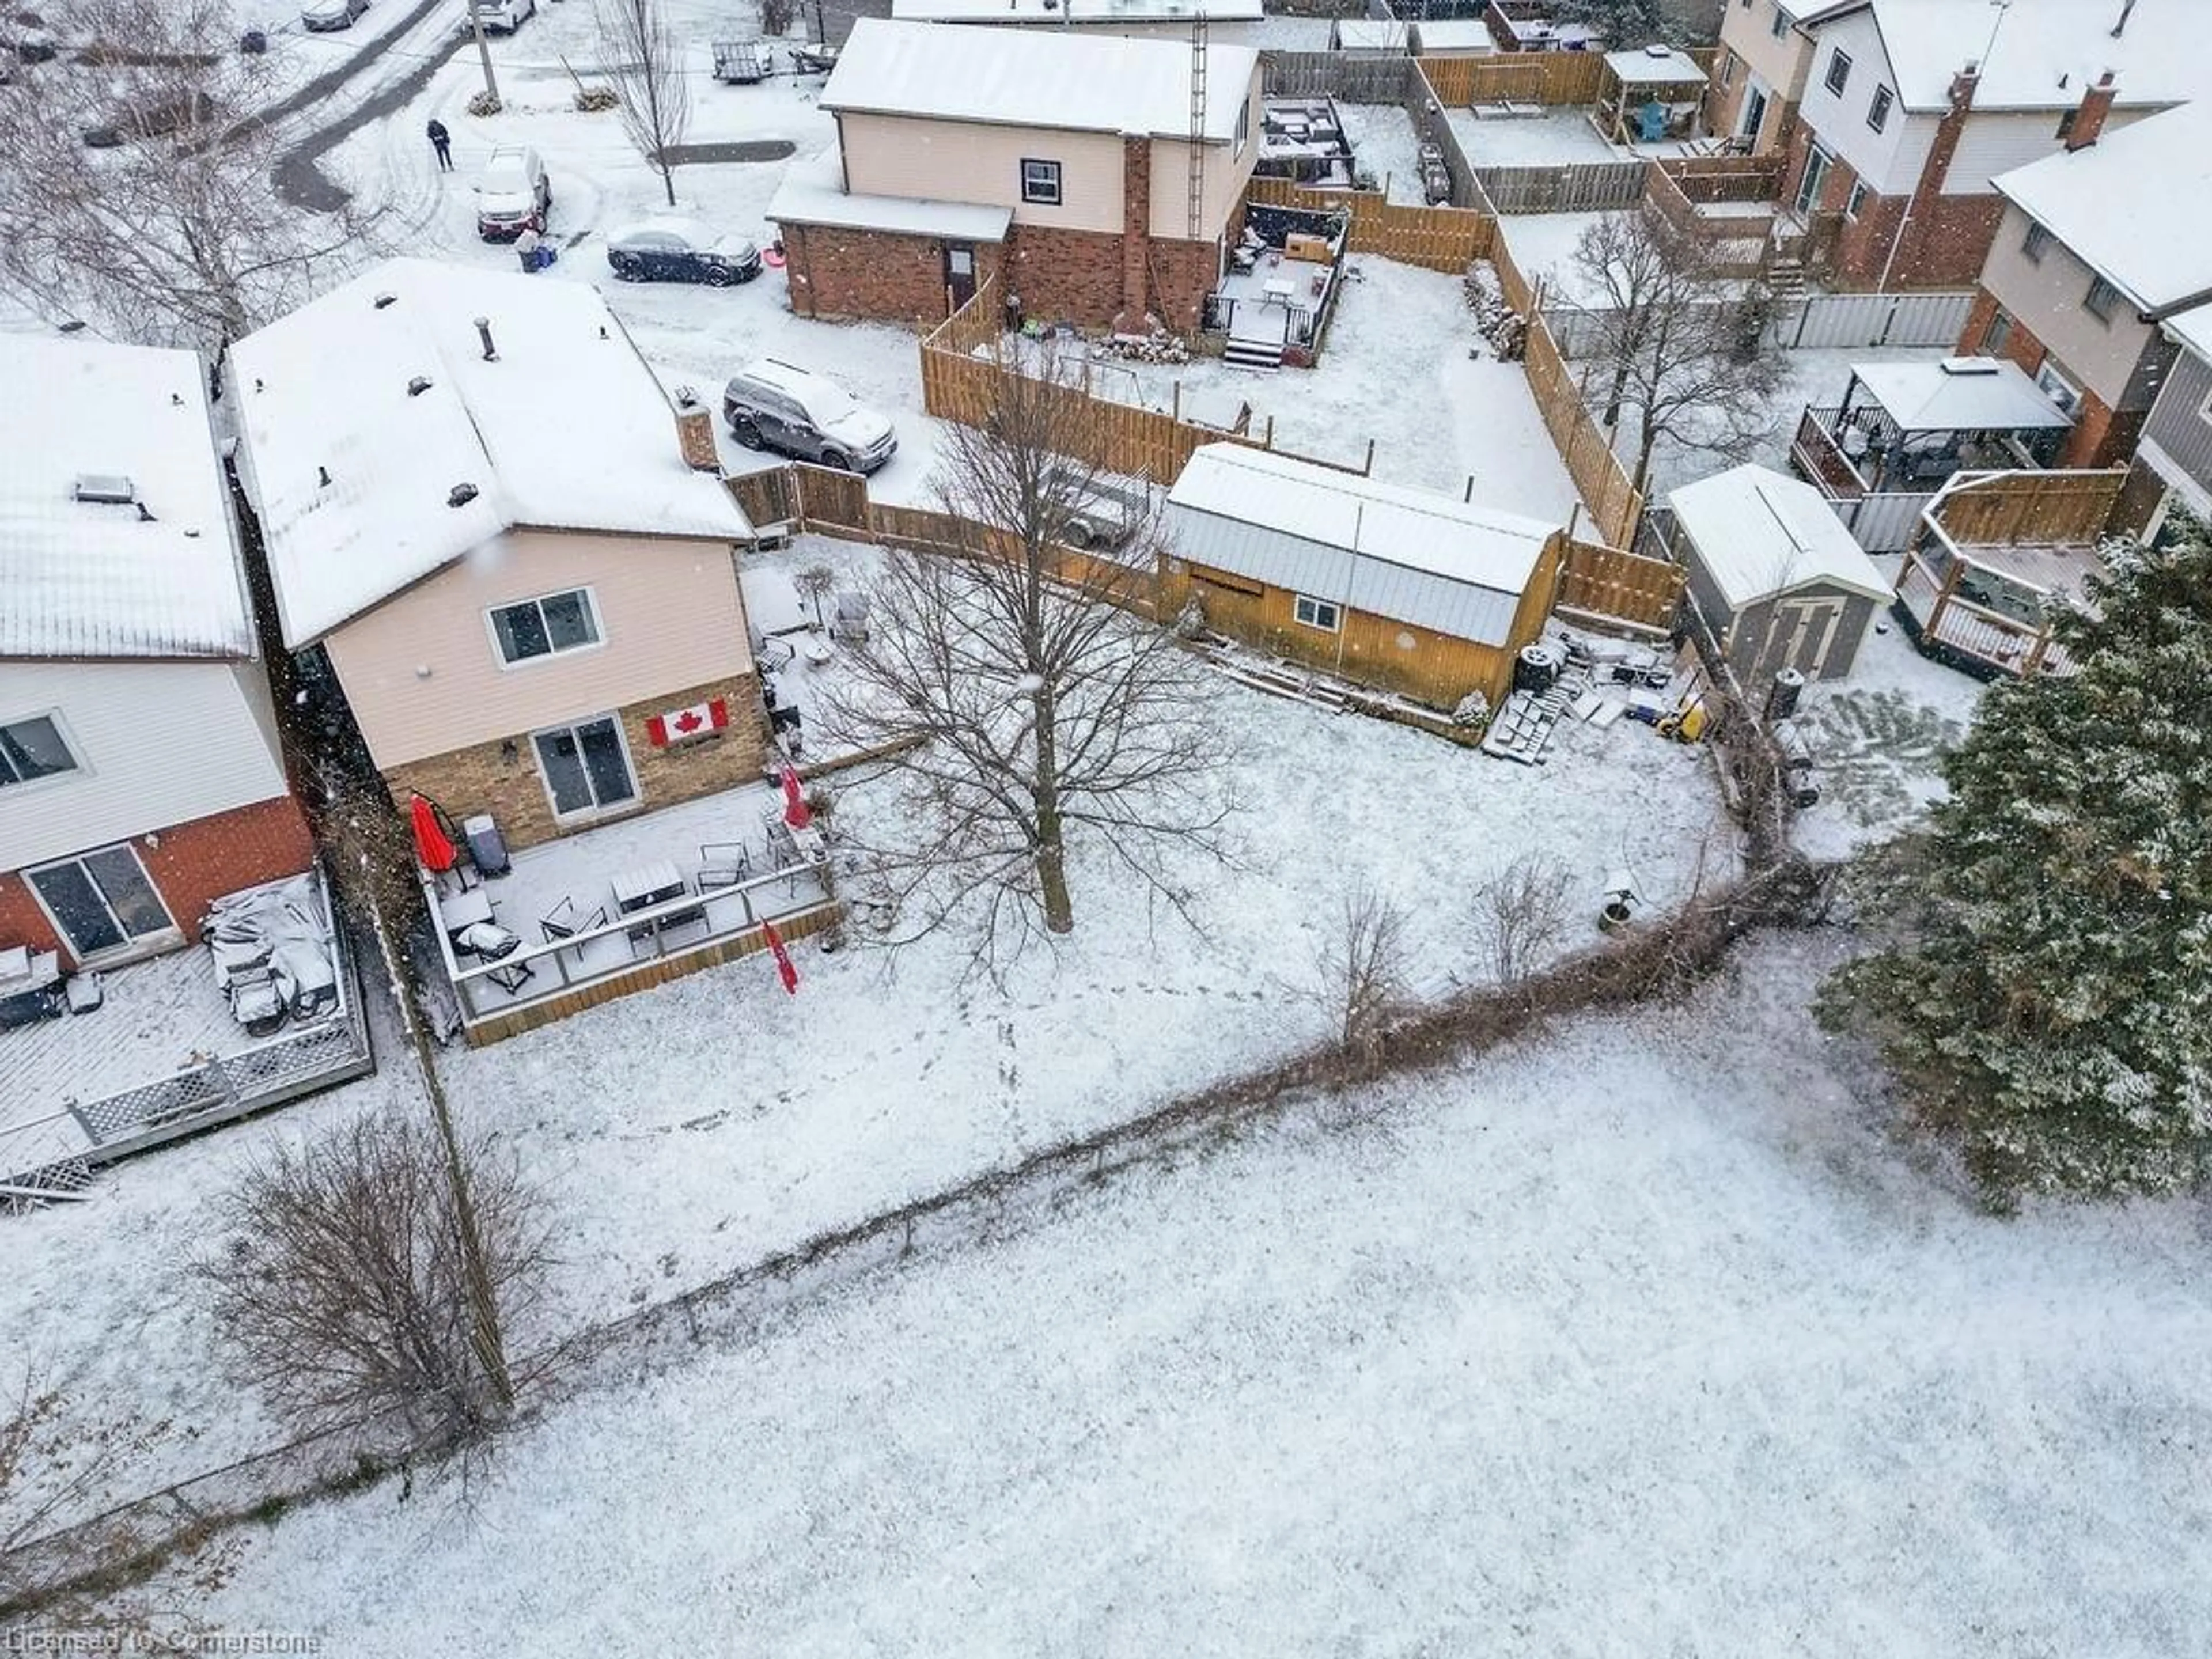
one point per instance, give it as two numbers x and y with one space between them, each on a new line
1888 161
155 744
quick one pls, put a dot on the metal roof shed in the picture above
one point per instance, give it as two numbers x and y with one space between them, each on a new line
1778 578
1410 589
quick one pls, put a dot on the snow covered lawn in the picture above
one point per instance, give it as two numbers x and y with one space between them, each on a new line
1645 1341
693 1129
1384 143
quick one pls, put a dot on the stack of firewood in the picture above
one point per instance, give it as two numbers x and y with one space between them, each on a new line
1497 322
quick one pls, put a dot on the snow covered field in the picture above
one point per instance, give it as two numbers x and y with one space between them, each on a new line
693 1129
1641 1341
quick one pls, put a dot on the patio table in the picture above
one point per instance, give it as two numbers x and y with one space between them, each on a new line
647 885
1277 291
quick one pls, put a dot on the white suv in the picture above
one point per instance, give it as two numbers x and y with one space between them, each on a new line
514 196
780 406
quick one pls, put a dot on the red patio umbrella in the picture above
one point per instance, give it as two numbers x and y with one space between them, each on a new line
786 969
432 845
795 810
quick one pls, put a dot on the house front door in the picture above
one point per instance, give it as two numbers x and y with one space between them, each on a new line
959 273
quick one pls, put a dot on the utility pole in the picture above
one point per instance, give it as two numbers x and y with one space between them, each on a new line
483 53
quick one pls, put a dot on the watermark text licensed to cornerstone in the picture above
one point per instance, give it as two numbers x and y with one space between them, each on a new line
62 1640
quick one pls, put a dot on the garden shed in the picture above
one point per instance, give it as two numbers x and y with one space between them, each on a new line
1777 577
1398 588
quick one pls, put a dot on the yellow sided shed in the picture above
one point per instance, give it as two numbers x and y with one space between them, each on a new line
1397 588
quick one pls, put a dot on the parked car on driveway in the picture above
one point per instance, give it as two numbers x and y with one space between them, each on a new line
499 16
515 194
327 17
154 118
780 406
681 251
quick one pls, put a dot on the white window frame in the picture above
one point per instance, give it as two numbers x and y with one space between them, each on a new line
134 944
595 813
2109 293
1728 68
2035 244
2049 376
1856 199
1058 197
597 642
1997 334
1308 613
12 789
1879 108
1780 26
1838 74
1243 133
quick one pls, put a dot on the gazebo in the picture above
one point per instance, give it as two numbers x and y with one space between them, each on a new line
1649 96
1910 426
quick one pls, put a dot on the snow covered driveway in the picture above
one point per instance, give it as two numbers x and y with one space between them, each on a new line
1643 1343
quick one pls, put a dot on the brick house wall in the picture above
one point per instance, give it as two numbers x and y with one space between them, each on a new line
482 779
837 273
189 864
2102 435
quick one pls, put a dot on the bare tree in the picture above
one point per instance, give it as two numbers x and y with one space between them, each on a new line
1364 968
172 235
341 1290
645 60
815 584
1520 913
1673 338
1027 706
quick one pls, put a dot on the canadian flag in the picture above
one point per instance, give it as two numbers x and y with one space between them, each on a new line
678 725
786 969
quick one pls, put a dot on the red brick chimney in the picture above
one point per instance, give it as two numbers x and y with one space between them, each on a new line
1136 232
695 432
2089 119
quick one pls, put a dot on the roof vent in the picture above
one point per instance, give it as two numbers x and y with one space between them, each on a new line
418 385
1968 365
383 299
109 488
322 478
145 514
483 334
462 495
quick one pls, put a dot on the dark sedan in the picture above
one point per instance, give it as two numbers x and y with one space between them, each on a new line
681 251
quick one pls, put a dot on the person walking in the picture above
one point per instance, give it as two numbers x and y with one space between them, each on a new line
442 142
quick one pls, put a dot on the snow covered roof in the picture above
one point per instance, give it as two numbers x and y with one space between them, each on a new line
154 571
1757 534
2046 54
1060 80
1654 65
382 444
2136 206
1077 12
1446 565
812 193
1960 394
1465 34
2192 330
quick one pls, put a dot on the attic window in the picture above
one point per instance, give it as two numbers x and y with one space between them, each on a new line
110 488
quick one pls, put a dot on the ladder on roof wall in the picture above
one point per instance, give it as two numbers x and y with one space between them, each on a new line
1197 186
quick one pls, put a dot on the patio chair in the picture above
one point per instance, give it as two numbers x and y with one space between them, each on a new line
724 863
512 976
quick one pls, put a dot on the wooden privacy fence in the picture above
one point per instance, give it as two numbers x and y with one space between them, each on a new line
1445 238
2009 508
1610 582
1580 187
1614 503
1334 75
1709 179
1130 586
1519 77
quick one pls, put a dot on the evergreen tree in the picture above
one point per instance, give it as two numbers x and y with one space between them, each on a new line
2047 998
1628 24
